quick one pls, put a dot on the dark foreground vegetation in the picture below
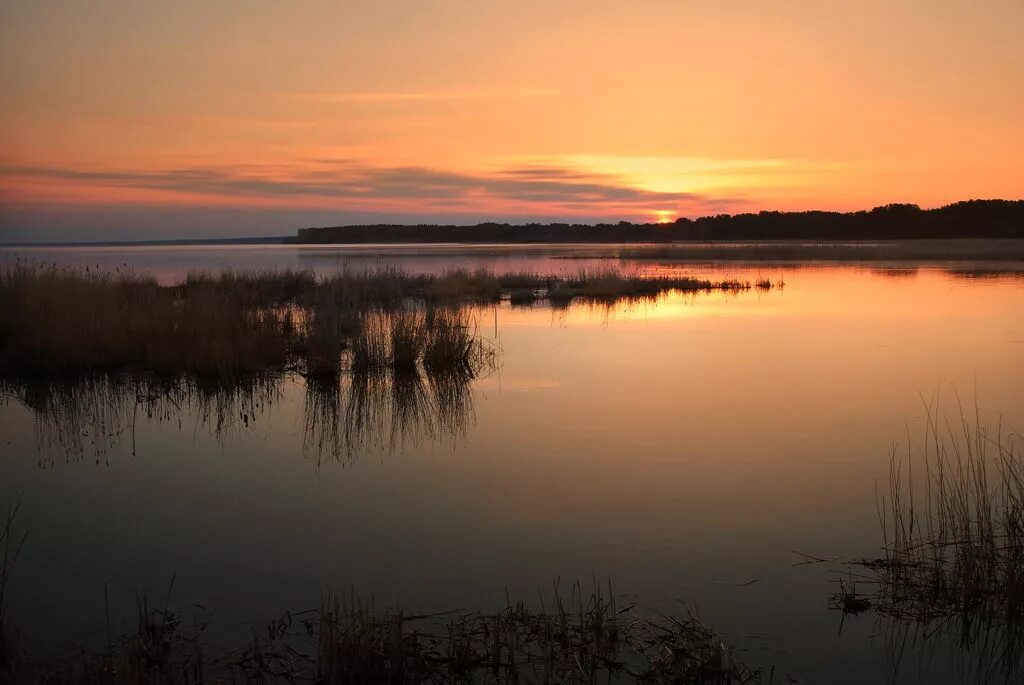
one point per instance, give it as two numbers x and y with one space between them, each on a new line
953 548
571 637
969 219
229 326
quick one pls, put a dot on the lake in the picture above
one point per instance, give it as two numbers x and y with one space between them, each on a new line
697 446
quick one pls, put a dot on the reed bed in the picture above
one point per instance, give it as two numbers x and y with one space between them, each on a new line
952 527
58 320
572 637
225 328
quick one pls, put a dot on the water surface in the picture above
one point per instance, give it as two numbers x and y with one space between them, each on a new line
686 446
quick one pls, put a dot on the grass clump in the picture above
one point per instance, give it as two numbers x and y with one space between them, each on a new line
573 637
60 320
408 339
452 344
953 541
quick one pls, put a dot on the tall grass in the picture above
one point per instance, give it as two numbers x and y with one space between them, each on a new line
453 346
59 320
11 544
572 636
952 526
227 327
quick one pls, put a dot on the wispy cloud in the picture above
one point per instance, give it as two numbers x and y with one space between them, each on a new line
695 174
431 96
345 184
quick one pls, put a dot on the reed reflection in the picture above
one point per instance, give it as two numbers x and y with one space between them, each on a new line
385 411
91 416
343 415
950 579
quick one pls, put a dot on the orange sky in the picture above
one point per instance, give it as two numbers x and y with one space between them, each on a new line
175 119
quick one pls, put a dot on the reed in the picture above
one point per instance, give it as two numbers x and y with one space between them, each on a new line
573 636
370 344
11 544
952 527
62 320
452 344
408 337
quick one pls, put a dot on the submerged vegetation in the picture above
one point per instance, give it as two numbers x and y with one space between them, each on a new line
573 637
58 320
953 544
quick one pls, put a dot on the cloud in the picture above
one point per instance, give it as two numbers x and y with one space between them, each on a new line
371 97
346 184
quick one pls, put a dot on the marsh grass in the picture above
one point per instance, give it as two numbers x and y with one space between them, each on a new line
575 639
11 544
59 320
453 345
610 285
952 526
570 636
522 297
228 326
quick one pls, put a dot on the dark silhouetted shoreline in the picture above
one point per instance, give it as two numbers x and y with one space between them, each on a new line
968 219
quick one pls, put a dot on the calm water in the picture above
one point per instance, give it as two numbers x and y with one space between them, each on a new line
683 447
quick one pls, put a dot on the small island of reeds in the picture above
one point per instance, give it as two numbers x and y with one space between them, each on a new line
62 320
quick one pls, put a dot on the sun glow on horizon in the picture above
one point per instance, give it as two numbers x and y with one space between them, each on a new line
364 112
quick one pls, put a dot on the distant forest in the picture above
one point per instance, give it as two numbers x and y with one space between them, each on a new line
969 219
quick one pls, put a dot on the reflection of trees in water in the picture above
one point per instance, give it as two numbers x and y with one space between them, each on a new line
89 416
385 411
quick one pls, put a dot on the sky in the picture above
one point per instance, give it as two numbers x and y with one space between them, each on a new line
133 120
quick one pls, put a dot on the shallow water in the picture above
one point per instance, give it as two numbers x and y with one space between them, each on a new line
683 447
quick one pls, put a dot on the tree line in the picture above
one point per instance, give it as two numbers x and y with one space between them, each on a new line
967 219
